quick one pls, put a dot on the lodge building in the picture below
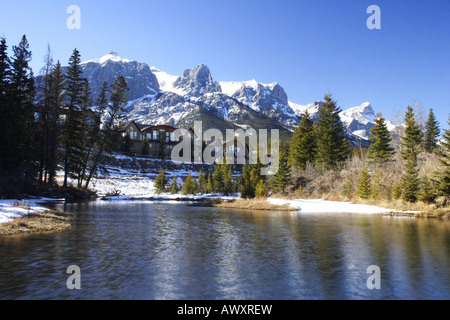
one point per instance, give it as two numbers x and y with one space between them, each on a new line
158 141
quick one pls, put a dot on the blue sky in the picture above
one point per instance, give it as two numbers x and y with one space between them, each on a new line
309 47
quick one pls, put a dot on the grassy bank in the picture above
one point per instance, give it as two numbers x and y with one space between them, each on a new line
38 222
250 204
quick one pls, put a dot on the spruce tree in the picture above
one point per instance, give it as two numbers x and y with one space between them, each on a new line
73 126
209 185
21 148
161 182
247 187
431 134
411 142
282 177
189 186
219 178
303 143
228 180
364 188
444 154
332 144
261 189
6 111
380 150
202 182
174 189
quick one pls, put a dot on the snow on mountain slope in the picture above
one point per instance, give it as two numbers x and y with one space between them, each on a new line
359 120
166 81
112 56
157 97
312 108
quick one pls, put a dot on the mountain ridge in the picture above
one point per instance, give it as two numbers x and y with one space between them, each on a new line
157 97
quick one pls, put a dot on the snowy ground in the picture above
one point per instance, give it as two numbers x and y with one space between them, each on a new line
324 206
10 209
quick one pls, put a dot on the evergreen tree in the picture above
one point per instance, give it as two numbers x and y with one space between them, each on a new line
73 125
247 187
303 143
261 189
175 188
332 144
209 185
282 177
444 154
6 111
219 178
432 132
228 180
161 182
202 182
411 142
364 188
21 151
189 186
380 150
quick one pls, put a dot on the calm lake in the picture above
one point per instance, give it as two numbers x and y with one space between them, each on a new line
144 250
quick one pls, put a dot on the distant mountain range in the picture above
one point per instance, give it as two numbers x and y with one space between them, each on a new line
156 97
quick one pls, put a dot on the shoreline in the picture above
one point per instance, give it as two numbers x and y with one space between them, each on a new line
22 218
48 221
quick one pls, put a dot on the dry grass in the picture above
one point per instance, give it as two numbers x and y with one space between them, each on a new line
44 222
250 204
342 184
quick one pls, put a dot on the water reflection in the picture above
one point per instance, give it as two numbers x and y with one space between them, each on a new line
139 250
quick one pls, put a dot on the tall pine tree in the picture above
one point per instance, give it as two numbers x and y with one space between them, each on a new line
332 144
411 142
431 134
380 150
73 125
444 153
22 147
6 112
282 177
303 143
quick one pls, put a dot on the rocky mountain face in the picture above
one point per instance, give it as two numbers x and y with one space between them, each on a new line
197 82
156 97
138 76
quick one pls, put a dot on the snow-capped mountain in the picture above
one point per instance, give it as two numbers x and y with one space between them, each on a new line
138 76
156 97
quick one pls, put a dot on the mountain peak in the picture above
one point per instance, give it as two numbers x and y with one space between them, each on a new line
197 81
112 56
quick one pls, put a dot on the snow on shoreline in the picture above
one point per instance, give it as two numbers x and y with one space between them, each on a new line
10 209
326 206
